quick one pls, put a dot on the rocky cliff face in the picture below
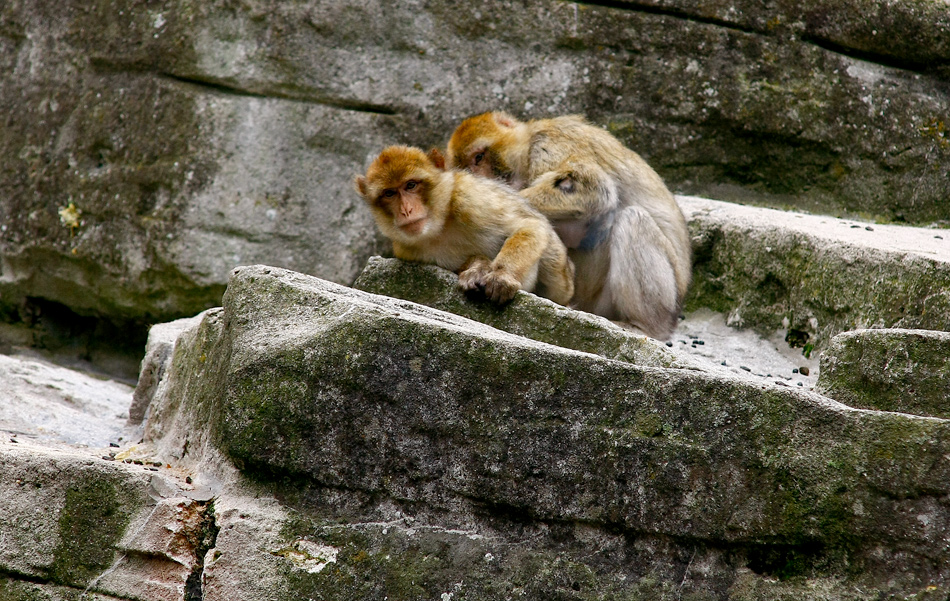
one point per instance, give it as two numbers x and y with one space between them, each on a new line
301 439
150 149
313 440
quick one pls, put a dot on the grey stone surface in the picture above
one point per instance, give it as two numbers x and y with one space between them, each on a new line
158 355
147 150
702 341
889 370
403 435
41 400
812 277
527 315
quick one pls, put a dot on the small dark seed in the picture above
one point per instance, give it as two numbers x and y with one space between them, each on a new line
112 444
108 458
794 370
14 440
869 228
744 367
669 343
723 363
188 478
855 226
157 463
803 370
154 469
939 237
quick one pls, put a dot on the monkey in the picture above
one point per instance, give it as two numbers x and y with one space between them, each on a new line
622 227
477 227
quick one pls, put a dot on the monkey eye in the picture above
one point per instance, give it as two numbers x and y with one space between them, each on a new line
410 184
565 184
478 157
389 193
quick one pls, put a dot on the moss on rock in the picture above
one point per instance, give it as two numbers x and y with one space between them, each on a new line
889 370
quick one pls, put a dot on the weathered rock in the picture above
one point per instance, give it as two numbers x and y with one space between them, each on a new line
148 150
912 35
420 448
527 315
50 402
729 351
158 356
813 277
73 521
889 370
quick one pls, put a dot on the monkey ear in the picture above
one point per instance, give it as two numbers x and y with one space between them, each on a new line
504 119
437 158
360 183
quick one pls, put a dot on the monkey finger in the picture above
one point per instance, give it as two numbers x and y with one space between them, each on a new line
472 279
501 288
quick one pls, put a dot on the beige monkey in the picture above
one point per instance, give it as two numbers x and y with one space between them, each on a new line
624 231
479 228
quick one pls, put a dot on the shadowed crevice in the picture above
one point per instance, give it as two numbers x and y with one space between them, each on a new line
884 60
230 88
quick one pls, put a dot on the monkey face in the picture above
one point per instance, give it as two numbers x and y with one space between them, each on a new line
397 188
406 206
480 162
479 144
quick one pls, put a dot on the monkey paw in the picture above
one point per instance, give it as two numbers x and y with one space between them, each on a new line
475 276
501 287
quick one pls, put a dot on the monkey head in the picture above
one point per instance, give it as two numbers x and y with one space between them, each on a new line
492 145
402 189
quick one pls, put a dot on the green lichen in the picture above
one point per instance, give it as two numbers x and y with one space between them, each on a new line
91 522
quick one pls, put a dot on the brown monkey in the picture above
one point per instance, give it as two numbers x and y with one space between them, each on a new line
622 226
477 227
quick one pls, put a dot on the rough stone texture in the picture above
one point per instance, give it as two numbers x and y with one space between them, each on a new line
41 400
63 514
701 341
148 149
814 277
424 455
912 35
74 522
158 356
889 370
527 315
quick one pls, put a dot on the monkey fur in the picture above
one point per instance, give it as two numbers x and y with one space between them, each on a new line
477 227
624 231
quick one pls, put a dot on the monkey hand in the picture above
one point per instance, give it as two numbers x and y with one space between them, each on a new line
501 286
478 276
474 274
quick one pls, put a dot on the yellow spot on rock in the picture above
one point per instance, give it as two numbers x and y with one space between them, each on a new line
69 216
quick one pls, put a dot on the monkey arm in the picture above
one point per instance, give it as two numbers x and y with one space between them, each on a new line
521 251
576 191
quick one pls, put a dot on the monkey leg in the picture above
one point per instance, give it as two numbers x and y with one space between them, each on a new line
556 274
641 282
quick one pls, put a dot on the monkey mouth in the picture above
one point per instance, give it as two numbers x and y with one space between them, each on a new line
414 227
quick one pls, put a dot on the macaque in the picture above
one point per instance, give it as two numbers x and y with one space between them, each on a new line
477 227
623 229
